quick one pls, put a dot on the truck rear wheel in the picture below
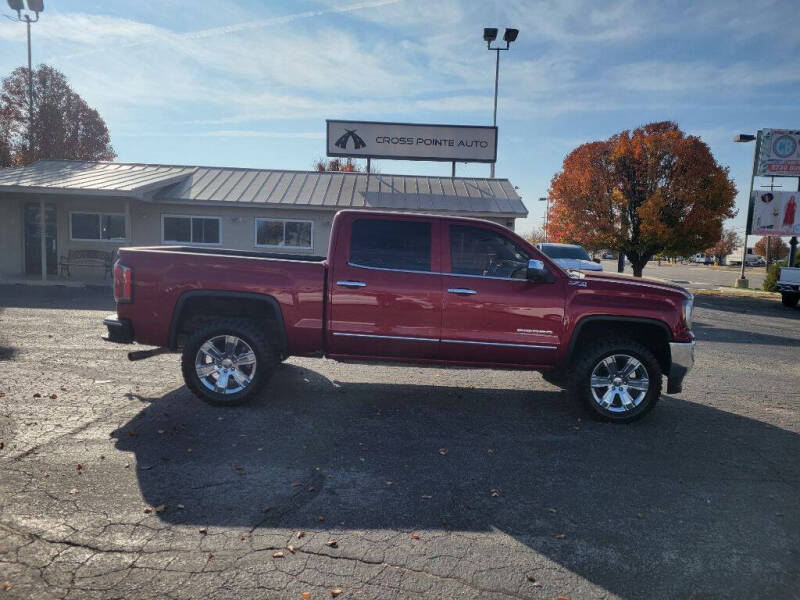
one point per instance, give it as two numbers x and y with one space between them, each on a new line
227 362
790 300
619 379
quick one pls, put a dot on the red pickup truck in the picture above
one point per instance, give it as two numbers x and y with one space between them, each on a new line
405 288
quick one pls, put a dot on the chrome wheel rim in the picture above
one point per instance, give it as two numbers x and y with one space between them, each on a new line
225 364
619 383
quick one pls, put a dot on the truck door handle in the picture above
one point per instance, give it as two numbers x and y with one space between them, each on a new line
461 291
351 284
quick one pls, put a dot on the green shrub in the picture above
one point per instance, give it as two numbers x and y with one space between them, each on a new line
773 274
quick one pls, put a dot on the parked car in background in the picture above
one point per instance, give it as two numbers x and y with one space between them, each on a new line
702 258
751 260
608 255
789 286
570 256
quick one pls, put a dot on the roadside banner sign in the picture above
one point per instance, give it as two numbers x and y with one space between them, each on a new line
774 213
779 153
412 141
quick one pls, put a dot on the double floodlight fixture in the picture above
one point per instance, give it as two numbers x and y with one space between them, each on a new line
35 6
490 35
743 137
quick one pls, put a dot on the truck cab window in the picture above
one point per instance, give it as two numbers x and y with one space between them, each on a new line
485 253
391 244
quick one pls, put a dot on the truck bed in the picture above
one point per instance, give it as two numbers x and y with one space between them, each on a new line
170 275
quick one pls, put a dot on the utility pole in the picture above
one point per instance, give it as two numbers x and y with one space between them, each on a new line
490 35
36 7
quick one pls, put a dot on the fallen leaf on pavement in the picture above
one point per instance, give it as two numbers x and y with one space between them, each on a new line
265 509
204 530
37 395
291 548
332 543
181 506
336 592
278 554
161 508
133 433
414 536
6 586
426 497
531 578
552 510
563 598
561 536
442 451
73 491
300 534
53 396
160 431
306 594
148 510
320 518
494 493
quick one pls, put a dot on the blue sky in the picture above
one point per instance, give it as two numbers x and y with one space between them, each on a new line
251 83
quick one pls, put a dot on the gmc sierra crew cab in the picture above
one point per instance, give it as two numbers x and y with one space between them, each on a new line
406 288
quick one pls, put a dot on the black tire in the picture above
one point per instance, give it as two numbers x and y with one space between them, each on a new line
591 356
247 331
790 300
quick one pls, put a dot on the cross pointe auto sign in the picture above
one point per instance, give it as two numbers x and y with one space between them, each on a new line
412 141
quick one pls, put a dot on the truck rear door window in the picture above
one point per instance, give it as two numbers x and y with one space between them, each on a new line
391 244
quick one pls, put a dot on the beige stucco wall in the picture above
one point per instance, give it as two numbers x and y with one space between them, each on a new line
144 226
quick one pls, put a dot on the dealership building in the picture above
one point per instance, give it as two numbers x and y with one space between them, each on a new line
53 211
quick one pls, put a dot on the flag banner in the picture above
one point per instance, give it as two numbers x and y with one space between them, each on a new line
774 213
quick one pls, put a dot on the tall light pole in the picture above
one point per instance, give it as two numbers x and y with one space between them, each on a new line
36 7
490 35
746 137
546 214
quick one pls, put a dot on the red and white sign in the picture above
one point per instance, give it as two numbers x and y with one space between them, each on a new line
779 153
775 213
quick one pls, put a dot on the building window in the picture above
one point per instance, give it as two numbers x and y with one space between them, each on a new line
275 233
94 227
190 230
391 244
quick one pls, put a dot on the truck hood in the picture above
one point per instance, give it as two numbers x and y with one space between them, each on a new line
626 282
578 264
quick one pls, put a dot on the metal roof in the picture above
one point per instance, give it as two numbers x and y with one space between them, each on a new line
277 188
89 177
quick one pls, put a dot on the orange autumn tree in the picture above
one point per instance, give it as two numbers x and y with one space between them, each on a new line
653 190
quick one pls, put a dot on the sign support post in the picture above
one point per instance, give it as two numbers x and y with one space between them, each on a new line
742 282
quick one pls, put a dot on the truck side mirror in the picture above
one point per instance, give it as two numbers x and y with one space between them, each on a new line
537 271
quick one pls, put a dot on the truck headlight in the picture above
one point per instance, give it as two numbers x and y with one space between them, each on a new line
687 312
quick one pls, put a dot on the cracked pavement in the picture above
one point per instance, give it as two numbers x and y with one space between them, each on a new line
116 483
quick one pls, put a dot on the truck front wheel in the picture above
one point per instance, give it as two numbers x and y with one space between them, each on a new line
227 362
790 299
619 379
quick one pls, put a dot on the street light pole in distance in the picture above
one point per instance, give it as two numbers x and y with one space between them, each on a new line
546 214
746 137
490 35
36 7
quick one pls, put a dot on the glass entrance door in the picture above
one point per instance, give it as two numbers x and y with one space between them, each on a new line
33 243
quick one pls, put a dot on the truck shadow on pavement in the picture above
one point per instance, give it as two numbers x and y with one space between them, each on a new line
690 500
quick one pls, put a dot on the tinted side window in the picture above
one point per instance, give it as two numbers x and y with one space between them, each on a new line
486 253
390 244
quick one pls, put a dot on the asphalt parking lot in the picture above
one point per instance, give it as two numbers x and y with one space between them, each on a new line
695 276
391 482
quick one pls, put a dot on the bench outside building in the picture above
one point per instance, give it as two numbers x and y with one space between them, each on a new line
86 259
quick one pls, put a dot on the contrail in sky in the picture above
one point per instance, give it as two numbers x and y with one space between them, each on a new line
226 29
